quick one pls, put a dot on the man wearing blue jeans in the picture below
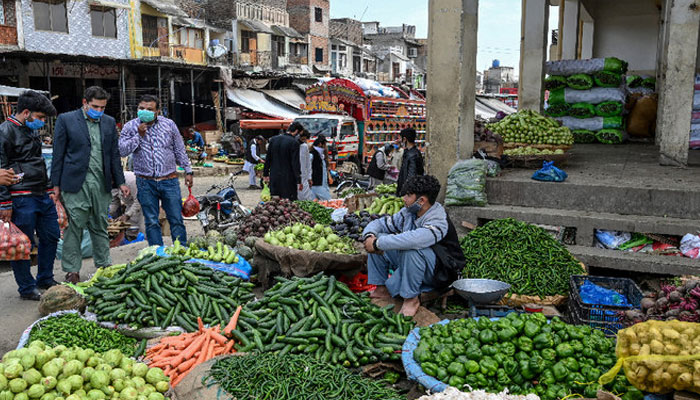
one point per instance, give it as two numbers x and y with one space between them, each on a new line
158 149
29 201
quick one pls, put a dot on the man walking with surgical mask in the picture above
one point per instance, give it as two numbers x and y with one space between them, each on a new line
84 169
158 150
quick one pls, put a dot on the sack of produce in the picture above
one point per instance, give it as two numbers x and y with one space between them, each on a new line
584 136
607 79
265 193
649 83
580 82
521 254
642 119
555 82
14 244
634 81
610 136
592 96
582 110
59 298
522 353
609 109
466 184
558 110
592 124
659 356
569 67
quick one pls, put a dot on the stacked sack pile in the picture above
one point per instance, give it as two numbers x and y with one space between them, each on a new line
588 97
695 121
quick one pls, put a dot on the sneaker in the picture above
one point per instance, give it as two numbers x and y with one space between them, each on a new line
34 295
48 285
73 277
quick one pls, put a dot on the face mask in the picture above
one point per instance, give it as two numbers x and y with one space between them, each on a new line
146 116
94 114
396 146
35 124
414 208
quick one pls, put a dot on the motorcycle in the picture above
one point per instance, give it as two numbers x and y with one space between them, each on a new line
222 210
355 181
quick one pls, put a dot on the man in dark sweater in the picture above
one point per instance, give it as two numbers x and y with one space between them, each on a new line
29 202
282 167
412 164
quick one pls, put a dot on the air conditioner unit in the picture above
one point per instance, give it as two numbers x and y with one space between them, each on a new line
413 52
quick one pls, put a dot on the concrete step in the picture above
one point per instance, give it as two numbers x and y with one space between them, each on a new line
604 196
585 222
636 262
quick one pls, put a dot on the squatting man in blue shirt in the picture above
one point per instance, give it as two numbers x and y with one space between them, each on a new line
417 242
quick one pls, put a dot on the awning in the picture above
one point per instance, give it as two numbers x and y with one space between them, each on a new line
265 123
487 107
255 26
286 31
290 97
15 91
258 101
110 4
322 68
166 7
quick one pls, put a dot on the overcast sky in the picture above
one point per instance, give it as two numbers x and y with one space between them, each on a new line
499 23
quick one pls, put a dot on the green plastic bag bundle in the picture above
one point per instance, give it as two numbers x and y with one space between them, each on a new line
580 82
649 83
634 81
466 183
609 109
613 64
265 193
583 136
582 110
610 136
558 110
555 82
607 79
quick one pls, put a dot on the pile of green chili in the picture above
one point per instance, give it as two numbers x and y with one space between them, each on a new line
292 376
523 255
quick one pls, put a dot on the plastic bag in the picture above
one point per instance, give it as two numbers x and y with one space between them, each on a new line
190 207
655 356
558 110
14 244
589 66
592 96
62 215
610 136
592 124
466 183
583 136
612 239
265 193
555 82
690 246
549 173
609 109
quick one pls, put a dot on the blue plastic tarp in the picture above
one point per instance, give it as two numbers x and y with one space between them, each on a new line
241 269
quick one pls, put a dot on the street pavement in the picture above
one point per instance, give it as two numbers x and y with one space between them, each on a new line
16 314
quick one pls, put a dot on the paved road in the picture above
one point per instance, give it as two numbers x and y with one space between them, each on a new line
16 315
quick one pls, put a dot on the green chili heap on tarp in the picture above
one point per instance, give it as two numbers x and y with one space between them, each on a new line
267 376
522 353
523 255
71 330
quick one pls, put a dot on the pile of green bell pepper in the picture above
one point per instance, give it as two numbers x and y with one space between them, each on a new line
523 353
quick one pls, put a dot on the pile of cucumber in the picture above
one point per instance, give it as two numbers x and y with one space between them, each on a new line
323 318
162 292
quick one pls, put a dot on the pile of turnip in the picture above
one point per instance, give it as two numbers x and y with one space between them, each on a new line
671 302
272 215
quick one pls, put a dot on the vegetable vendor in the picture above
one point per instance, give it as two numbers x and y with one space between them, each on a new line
252 158
419 242
379 165
195 139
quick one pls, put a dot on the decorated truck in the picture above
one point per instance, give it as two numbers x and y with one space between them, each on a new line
357 121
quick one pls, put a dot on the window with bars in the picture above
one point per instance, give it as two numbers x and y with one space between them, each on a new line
149 30
104 21
246 37
50 15
319 54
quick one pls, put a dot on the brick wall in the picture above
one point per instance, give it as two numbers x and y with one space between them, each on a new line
299 15
322 43
320 28
9 11
346 28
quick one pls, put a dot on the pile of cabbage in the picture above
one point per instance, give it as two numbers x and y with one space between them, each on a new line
61 373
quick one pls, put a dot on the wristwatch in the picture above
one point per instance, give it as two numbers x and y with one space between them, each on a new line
374 244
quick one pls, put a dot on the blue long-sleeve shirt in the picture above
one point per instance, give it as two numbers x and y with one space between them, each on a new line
404 231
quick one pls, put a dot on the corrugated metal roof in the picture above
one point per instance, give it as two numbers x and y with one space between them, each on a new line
15 91
256 26
286 31
166 7
290 97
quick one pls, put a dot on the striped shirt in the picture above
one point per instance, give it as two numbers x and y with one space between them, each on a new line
159 152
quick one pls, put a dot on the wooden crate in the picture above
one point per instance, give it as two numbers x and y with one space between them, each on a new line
212 136
360 201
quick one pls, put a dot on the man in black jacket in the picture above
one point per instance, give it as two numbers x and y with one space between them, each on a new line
29 203
412 164
282 166
86 166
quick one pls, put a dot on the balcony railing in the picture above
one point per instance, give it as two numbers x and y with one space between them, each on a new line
176 52
8 35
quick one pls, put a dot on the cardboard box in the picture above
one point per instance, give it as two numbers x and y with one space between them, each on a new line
212 136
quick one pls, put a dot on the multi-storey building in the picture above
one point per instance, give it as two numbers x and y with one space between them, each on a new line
312 18
398 51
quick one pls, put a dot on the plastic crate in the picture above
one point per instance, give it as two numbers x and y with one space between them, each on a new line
601 316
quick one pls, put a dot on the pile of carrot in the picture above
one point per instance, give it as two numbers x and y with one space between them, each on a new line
179 355
336 203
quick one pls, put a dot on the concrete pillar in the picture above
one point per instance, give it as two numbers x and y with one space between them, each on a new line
451 93
679 69
568 35
533 53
